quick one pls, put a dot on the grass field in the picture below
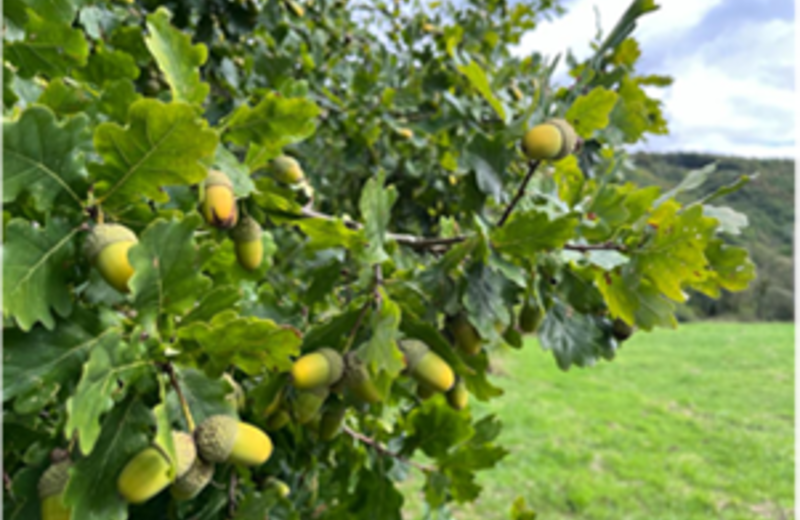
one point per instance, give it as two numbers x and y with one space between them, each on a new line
694 424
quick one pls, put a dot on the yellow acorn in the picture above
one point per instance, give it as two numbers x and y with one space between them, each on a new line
247 242
286 169
282 488
307 404
457 397
331 421
151 470
466 337
405 133
51 491
427 367
323 367
554 140
530 317
296 8
516 92
429 28
219 203
193 482
221 438
358 380
107 248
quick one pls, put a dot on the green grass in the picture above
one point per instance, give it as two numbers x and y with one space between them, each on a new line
694 424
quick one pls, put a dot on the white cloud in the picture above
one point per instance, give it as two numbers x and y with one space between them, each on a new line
733 91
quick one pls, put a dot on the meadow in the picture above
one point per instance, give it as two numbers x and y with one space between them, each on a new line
694 424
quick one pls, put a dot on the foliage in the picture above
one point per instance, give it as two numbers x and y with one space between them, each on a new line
406 121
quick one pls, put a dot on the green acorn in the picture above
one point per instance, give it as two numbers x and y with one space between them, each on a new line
553 140
107 249
221 438
51 491
530 317
621 330
321 368
466 337
458 397
427 367
286 169
151 470
331 422
247 242
307 404
358 379
190 484
219 202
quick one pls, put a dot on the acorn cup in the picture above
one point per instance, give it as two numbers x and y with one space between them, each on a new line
247 243
357 378
552 140
51 491
308 403
192 483
219 203
107 249
530 317
466 337
287 170
427 367
331 422
321 368
221 438
150 470
458 396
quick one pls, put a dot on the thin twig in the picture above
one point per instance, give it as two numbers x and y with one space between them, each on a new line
606 246
352 336
383 450
520 192
232 495
187 413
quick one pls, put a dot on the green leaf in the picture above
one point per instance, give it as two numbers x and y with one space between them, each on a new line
590 112
92 489
376 210
477 77
635 113
34 260
377 497
106 66
274 122
64 99
325 234
44 358
237 172
731 266
117 98
178 59
569 179
477 454
675 255
484 299
435 428
252 344
56 10
635 300
730 220
205 396
381 352
166 278
575 338
693 180
42 157
530 232
164 145
111 367
213 302
488 158
49 48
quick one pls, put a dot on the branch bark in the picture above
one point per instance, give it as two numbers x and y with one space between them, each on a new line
383 450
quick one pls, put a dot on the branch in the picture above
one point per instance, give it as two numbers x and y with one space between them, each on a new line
187 414
520 192
606 246
383 450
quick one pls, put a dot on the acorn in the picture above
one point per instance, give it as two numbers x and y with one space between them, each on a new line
247 243
458 397
530 317
107 249
466 337
424 391
221 438
427 367
278 420
282 488
331 422
219 203
321 368
359 381
287 170
405 133
621 330
189 485
151 470
307 404
51 491
553 140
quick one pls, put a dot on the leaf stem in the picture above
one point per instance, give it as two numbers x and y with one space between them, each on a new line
520 192
173 379
383 450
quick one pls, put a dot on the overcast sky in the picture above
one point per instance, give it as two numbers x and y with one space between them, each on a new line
732 62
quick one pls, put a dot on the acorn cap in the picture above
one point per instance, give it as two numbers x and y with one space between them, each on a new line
103 235
217 178
54 479
568 135
358 379
216 436
185 452
308 403
413 350
190 484
247 230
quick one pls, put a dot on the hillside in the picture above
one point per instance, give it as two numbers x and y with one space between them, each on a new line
768 202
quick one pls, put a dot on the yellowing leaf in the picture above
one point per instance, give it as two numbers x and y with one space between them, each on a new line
590 112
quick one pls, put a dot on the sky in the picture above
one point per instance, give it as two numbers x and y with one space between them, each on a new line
732 62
